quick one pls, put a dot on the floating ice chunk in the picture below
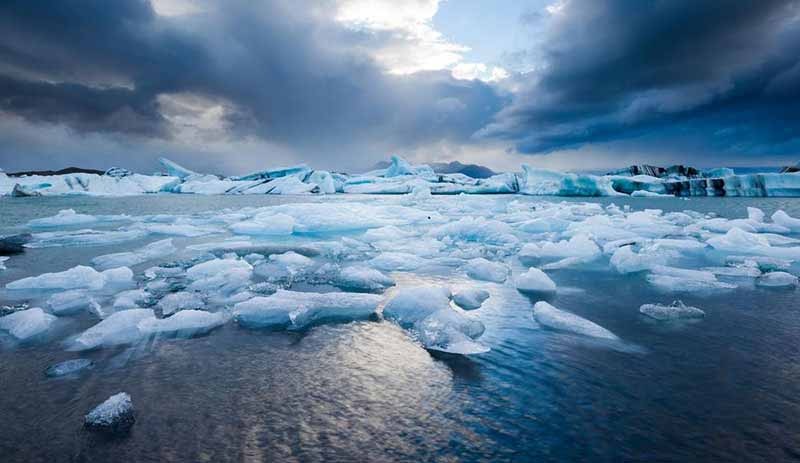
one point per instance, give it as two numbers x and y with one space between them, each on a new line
64 218
152 251
26 324
181 300
296 310
765 264
177 229
400 166
131 299
675 311
477 229
115 415
410 305
82 238
777 279
741 271
577 246
363 279
755 214
471 298
389 233
397 262
544 225
482 269
292 260
568 262
215 267
185 323
556 319
740 241
2 262
68 367
120 276
782 218
76 277
72 301
535 281
449 331
267 224
625 260
684 280
119 328
324 180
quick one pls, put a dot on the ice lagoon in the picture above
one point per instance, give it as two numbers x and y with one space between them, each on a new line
319 328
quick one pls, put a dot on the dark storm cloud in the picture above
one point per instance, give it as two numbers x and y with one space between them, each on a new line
725 71
287 71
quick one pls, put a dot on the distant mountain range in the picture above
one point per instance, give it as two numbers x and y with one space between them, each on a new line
455 167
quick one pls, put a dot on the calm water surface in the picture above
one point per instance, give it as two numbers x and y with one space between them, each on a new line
726 388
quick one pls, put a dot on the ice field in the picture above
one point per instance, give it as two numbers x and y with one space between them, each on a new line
411 326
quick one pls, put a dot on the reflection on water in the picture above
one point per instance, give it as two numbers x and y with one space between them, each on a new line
726 388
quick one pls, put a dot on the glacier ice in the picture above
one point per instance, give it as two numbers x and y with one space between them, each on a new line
82 238
785 220
298 310
64 218
675 311
577 246
26 324
470 298
3 259
114 415
67 302
535 281
560 320
482 269
185 323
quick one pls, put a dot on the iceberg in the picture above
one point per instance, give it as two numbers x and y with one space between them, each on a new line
297 310
176 170
114 415
470 299
559 320
26 324
535 281
675 311
485 270
782 218
68 367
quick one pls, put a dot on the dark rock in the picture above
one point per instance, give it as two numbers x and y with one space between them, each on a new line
14 244
22 191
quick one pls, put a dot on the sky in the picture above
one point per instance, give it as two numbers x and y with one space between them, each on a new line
239 85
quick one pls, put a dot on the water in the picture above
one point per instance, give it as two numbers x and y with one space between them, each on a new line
726 388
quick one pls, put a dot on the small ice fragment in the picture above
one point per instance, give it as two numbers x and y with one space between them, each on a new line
556 319
485 270
471 298
535 281
68 367
777 279
675 311
363 279
2 262
26 324
114 415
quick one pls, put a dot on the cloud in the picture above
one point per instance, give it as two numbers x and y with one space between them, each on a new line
271 71
620 69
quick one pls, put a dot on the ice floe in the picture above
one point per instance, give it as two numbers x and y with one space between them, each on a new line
560 320
675 311
298 310
26 324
